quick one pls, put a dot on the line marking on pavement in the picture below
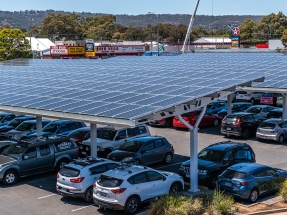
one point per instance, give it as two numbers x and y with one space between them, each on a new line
47 196
168 165
82 208
43 179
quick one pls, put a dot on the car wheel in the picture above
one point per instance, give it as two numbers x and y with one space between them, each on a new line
132 205
253 196
168 123
216 122
168 158
10 177
175 189
61 164
212 182
89 195
281 139
246 133
252 101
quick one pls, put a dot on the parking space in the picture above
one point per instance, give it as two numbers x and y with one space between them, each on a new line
37 194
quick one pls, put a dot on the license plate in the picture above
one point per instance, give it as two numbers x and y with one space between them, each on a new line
265 100
187 175
84 153
263 137
228 129
227 184
241 96
102 194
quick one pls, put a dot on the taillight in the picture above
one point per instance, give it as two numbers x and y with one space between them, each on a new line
238 123
254 156
95 184
245 183
118 191
171 146
58 175
78 151
77 180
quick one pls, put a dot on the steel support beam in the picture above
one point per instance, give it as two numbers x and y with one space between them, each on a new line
229 101
284 106
94 145
39 126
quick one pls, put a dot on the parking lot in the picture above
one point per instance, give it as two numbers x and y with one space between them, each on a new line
37 194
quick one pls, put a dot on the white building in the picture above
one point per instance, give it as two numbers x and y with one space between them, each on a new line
212 43
40 46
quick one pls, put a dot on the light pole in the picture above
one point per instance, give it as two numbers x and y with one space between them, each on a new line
157 35
101 32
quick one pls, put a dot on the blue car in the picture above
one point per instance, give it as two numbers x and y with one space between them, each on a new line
235 107
14 123
216 106
5 118
250 180
59 127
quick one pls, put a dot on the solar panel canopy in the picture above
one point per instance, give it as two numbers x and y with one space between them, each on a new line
129 88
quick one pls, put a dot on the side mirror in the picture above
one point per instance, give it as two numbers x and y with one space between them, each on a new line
163 178
25 157
276 174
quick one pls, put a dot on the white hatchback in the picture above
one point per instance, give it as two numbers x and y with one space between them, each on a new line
125 188
76 179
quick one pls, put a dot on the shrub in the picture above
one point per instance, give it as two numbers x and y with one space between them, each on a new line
283 191
222 203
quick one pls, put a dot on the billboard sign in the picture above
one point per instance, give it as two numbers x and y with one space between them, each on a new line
120 49
76 50
235 37
58 50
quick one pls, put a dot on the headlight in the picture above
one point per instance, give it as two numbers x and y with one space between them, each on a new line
200 171
127 159
87 148
81 147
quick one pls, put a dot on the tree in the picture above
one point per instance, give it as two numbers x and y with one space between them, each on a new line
247 29
14 45
284 38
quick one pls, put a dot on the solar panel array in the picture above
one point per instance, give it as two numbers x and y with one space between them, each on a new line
129 87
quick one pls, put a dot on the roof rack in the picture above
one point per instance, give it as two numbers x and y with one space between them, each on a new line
124 165
87 159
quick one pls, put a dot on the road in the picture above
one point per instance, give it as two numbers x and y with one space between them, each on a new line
37 194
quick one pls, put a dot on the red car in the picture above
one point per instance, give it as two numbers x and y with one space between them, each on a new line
81 134
269 98
207 120
167 122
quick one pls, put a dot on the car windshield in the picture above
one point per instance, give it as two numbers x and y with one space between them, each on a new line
254 110
78 134
52 127
131 146
230 119
107 134
267 95
15 150
231 174
211 155
15 122
267 125
275 114
2 117
209 106
24 126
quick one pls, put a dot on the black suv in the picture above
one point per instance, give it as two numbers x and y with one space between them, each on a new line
240 124
216 158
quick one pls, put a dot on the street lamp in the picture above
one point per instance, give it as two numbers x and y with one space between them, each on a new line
157 32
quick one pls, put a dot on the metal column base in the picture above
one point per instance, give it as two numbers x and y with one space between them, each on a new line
191 193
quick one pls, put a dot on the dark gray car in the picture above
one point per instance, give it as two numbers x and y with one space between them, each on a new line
5 142
144 151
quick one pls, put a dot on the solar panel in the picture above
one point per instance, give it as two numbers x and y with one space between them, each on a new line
130 87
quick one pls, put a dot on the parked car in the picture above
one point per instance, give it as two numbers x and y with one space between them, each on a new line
126 188
110 138
5 142
81 134
144 151
216 106
14 123
5 118
252 97
77 178
279 101
59 127
23 130
272 129
261 110
216 158
35 156
250 180
240 124
275 113
235 107
166 122
269 98
208 119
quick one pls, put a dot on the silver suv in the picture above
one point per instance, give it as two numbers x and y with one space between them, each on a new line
251 97
272 129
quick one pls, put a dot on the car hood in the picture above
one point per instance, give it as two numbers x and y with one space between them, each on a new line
202 164
6 160
15 132
6 128
100 142
119 155
44 134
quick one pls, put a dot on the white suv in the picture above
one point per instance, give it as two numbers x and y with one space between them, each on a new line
125 188
110 138
251 97
76 179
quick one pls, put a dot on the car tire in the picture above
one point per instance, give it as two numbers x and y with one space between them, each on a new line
61 163
175 189
10 177
245 134
168 158
89 195
132 205
253 195
212 181
281 138
169 123
252 101
216 122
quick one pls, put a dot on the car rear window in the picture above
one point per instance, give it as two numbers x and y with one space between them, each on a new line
242 92
231 174
267 95
108 181
267 125
275 114
230 119
69 172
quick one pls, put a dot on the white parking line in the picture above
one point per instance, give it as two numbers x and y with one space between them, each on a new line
40 180
279 146
168 165
47 196
82 208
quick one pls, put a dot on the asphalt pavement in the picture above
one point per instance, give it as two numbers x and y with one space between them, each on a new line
37 194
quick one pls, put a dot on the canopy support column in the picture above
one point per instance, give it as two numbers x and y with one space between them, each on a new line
39 126
94 145
229 104
284 106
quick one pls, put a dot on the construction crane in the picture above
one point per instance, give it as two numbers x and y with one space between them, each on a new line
190 27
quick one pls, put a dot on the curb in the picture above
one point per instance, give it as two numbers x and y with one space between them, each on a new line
268 212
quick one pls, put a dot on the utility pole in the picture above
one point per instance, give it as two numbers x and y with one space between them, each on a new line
157 32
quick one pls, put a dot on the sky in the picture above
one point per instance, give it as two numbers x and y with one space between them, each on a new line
137 7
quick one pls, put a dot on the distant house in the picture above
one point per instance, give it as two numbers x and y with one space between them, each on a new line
40 46
212 43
